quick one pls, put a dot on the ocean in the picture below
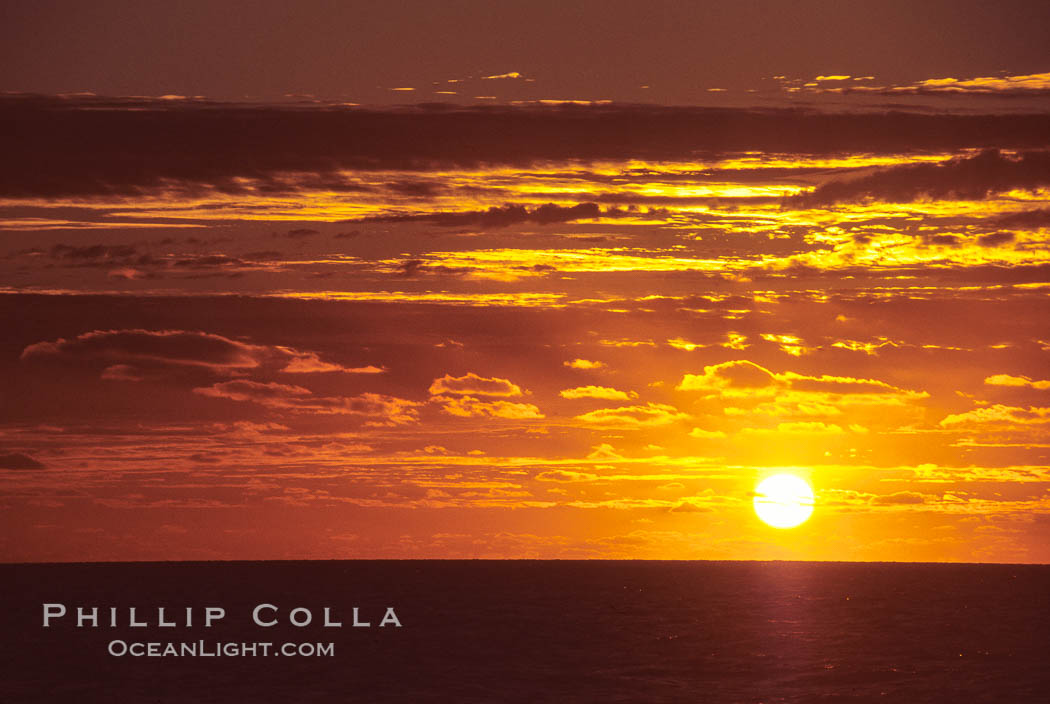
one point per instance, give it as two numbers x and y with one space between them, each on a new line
529 631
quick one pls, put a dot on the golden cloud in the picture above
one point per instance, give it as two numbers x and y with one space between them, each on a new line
1008 380
1033 82
470 407
681 344
651 414
602 392
743 378
471 383
584 364
998 415
706 434
604 451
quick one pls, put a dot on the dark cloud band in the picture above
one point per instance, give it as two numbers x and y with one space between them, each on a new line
86 147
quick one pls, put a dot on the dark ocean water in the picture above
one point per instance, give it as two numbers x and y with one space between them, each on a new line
542 631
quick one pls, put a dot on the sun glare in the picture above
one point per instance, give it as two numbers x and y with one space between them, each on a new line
783 501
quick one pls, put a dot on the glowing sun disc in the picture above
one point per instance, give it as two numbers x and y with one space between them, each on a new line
783 501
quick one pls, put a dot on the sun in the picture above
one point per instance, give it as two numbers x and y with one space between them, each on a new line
783 501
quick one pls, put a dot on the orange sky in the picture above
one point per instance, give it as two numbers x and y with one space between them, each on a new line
259 330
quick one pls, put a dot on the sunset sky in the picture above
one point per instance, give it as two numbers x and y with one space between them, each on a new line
506 280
